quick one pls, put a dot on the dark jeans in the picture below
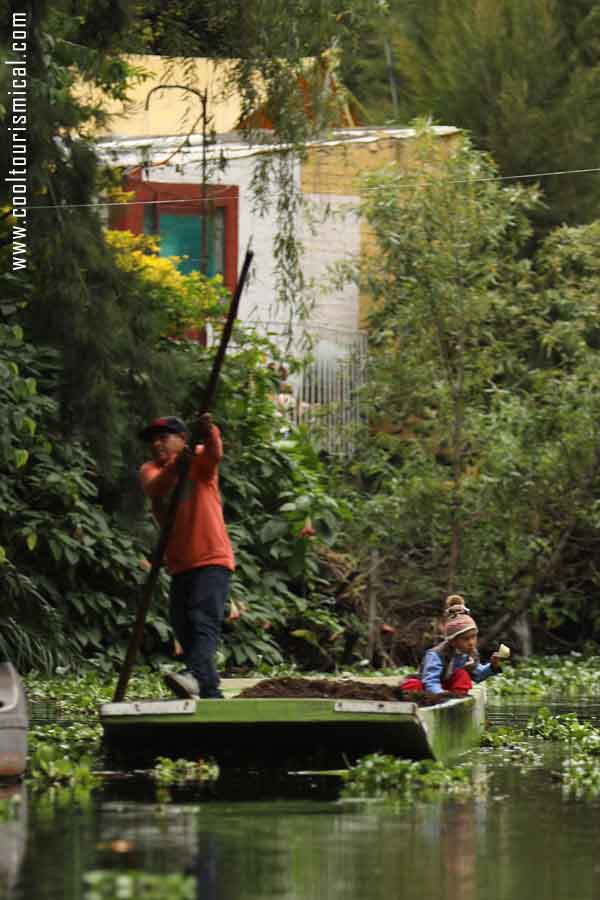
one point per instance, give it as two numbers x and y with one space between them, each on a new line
198 599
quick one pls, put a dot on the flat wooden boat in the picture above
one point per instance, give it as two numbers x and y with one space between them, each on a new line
289 732
13 723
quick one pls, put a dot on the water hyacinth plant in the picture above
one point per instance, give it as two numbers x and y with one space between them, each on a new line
130 885
578 743
386 777
513 744
549 676
48 767
580 770
9 808
580 775
184 771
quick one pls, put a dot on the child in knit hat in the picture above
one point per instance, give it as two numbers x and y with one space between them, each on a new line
453 665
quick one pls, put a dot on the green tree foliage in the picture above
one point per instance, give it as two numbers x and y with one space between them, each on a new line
368 67
522 76
483 473
78 301
208 28
68 574
102 322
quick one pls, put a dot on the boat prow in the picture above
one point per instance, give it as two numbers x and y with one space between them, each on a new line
13 723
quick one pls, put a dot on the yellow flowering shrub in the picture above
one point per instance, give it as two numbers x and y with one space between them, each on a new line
189 300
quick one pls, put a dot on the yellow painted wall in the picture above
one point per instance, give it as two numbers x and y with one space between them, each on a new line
167 108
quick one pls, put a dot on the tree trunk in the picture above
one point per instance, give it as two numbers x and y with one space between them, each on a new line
522 630
373 618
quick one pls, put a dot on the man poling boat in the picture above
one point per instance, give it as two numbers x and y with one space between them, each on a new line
171 510
198 555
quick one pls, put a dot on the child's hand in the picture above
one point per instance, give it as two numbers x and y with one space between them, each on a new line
496 662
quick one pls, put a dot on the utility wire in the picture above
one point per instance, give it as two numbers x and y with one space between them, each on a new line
131 202
533 175
223 196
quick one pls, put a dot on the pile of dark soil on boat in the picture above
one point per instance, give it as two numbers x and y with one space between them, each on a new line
325 688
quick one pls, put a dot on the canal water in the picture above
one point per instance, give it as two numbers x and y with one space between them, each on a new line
292 838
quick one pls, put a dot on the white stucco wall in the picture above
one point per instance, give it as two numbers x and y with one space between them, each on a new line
335 236
330 239
260 299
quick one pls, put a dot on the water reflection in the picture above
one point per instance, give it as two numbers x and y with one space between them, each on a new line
518 837
13 835
515 712
206 867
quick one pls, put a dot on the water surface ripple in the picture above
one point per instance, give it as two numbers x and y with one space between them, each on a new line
263 838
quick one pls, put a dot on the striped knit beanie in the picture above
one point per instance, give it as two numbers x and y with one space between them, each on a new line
459 625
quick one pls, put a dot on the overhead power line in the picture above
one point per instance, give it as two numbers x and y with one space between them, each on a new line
214 197
533 175
123 203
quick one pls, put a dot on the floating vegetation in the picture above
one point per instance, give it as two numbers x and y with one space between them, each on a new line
9 808
501 738
184 771
48 767
381 776
65 752
566 728
133 885
580 771
514 744
549 676
73 741
169 773
581 775
578 742
62 760
74 695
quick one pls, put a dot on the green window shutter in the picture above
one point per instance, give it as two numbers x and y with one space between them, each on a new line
181 235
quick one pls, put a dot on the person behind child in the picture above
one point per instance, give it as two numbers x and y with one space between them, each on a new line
453 665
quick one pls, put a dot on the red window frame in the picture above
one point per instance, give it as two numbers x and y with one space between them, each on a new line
131 218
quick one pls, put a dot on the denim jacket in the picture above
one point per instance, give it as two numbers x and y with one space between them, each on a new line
440 662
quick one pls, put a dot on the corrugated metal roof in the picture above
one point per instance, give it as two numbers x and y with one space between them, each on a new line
131 151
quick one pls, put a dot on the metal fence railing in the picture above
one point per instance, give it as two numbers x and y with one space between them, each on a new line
325 393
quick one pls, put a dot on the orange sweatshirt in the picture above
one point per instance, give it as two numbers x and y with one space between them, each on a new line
199 536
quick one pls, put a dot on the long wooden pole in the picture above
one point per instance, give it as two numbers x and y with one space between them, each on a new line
159 551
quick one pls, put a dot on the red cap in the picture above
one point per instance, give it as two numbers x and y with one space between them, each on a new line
164 425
